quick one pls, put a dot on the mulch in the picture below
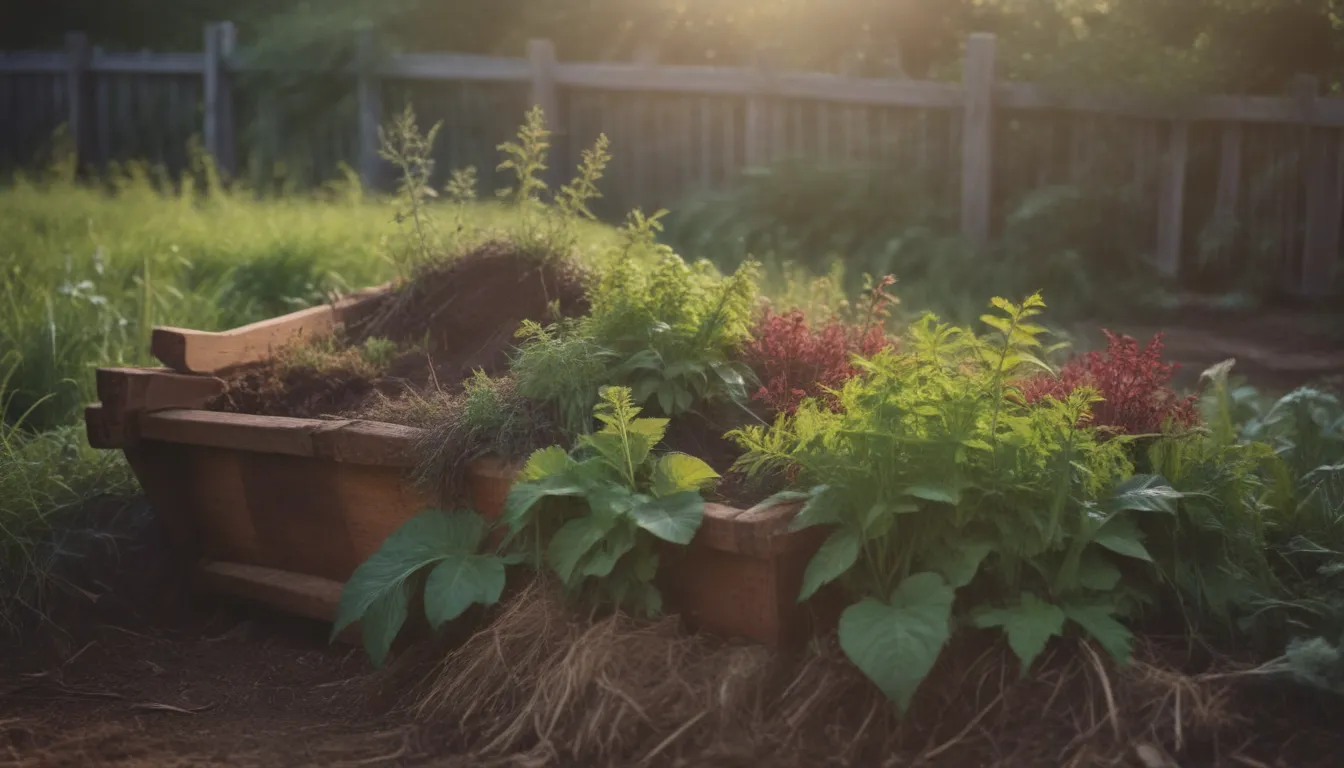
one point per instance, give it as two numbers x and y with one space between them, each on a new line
452 318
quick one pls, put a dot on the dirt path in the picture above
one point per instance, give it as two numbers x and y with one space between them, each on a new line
1278 349
225 690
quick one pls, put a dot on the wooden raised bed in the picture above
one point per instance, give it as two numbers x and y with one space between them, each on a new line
282 510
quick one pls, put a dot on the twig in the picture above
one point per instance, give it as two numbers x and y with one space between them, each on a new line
686 726
1106 688
931 754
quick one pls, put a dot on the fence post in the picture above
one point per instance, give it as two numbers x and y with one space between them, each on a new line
368 89
1320 246
541 59
977 139
1171 200
218 130
756 138
79 112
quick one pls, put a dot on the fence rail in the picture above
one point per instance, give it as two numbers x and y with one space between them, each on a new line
716 120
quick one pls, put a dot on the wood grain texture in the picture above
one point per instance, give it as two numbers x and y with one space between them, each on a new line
300 594
187 351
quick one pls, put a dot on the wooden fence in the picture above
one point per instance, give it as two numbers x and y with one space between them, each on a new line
1213 173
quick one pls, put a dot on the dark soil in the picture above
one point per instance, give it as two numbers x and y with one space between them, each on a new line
452 318
146 674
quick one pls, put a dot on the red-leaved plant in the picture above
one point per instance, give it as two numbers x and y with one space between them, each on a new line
1134 381
796 361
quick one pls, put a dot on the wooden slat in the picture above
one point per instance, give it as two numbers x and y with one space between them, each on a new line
311 597
977 159
151 64
188 351
343 441
1171 200
370 443
34 63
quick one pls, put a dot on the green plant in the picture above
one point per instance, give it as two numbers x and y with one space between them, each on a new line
953 502
594 516
437 551
667 330
489 418
402 145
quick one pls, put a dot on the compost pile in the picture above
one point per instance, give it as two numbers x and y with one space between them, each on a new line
452 318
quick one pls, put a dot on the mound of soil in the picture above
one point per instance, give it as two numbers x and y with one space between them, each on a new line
458 316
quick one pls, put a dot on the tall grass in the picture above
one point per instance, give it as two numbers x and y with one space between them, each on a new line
88 271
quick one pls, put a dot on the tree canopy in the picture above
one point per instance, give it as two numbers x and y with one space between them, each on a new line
1243 45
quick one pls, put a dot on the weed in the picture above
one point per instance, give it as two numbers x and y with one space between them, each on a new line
403 145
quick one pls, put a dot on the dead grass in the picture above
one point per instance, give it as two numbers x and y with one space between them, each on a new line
542 686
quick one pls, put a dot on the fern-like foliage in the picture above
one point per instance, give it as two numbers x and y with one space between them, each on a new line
668 330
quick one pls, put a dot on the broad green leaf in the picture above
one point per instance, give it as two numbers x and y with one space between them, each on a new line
524 496
942 494
644 388
1097 573
572 542
734 382
1322 492
603 557
422 540
383 619
684 400
896 644
667 396
459 582
1100 624
544 463
651 429
1123 537
1144 493
673 518
823 508
676 472
959 563
1029 625
836 556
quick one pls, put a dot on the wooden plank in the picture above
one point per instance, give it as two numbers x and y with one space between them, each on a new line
236 431
371 443
541 64
217 96
1229 174
126 392
338 440
298 594
33 63
456 67
1222 108
368 87
149 63
98 432
78 97
1171 200
189 351
1320 253
977 138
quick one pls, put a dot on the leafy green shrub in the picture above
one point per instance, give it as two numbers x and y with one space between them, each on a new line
952 500
489 418
594 516
1081 243
667 330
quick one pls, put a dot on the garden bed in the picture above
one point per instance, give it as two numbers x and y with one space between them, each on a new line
284 509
